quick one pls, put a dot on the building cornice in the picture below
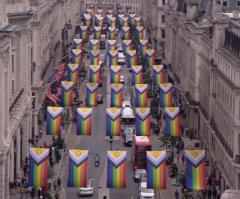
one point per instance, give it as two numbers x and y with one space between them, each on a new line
7 30
21 15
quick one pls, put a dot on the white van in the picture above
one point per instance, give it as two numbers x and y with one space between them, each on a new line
121 58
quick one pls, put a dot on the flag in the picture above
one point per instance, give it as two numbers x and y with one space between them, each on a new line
112 45
77 44
138 21
66 93
125 21
99 11
116 95
95 74
143 47
141 95
84 33
127 46
158 75
166 95
195 169
113 125
120 16
113 57
89 11
143 122
94 57
132 19
137 75
172 115
76 57
125 33
97 32
78 168
94 44
87 20
113 22
91 96
131 11
116 169
54 120
115 74
73 73
98 20
132 58
111 33
110 11
139 31
109 16
156 170
38 167
84 121
150 58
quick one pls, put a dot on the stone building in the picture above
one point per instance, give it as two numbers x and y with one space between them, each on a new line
202 53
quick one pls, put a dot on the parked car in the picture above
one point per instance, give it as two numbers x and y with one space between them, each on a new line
143 178
100 99
122 79
86 191
144 192
138 173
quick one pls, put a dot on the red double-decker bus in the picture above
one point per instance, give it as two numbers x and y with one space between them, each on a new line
140 145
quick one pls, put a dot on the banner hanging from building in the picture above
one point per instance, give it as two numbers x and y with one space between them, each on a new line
158 75
113 126
116 95
125 21
141 91
111 33
77 44
97 32
94 57
138 21
125 33
143 122
98 20
54 120
113 57
132 58
76 57
95 74
113 22
84 121
132 19
73 73
137 75
66 93
112 45
172 115
166 95
127 46
91 95
150 58
87 20
115 74
110 11
84 33
139 31
120 16
143 45
94 44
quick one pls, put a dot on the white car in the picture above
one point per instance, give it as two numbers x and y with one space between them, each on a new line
144 192
86 191
122 79
126 103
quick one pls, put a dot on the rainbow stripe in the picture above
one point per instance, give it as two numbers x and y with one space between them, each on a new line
113 22
76 57
111 33
73 73
156 170
66 93
54 120
113 122
138 21
150 58
78 168
94 44
109 16
196 169
125 33
125 22
116 95
143 47
97 32
132 19
94 57
139 30
158 75
77 44
113 57
116 169
141 91
173 121
143 122
132 58
38 167
95 73
166 95
84 32
84 121
127 46
98 20
87 20
112 45
91 94
137 75
115 74
120 16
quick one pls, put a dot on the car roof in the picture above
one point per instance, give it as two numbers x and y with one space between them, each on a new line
143 184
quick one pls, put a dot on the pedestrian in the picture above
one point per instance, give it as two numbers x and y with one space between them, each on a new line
40 134
169 145
214 193
176 194
183 159
209 194
37 138
26 192
39 192
177 158
21 192
209 181
204 194
54 185
218 194
59 183
25 170
57 195
26 160
182 145
33 192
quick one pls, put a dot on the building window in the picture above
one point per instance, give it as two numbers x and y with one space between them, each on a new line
13 41
225 2
162 34
13 87
33 100
163 18
238 3
163 2
13 63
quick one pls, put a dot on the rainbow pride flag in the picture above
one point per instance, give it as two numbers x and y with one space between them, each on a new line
156 170
91 94
143 45
73 73
143 122
141 91
196 169
97 32
99 11
172 115
120 16
131 11
94 44
115 74
76 57
95 74
132 58
110 11
38 167
66 93
84 33
54 120
94 57
125 21
116 95
116 169
77 44
137 75
150 58
84 121
127 46
113 122
113 22
158 75
113 57
98 20
109 16
138 21
89 11
87 20
111 33
166 95
78 168
139 31
132 19
125 33
128 7
112 45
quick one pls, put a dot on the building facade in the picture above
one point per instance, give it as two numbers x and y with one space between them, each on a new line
202 54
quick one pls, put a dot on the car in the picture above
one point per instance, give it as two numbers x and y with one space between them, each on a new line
100 99
138 173
119 49
144 192
143 178
127 98
122 79
86 191
126 103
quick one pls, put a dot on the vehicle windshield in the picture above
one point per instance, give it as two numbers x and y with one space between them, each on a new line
145 190
140 171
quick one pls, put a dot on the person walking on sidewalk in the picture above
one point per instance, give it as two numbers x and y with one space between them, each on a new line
54 185
176 194
59 183
209 194
183 159
57 195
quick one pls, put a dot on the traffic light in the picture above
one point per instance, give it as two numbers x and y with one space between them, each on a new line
111 138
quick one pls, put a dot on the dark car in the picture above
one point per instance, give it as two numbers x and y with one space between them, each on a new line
100 99
138 173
